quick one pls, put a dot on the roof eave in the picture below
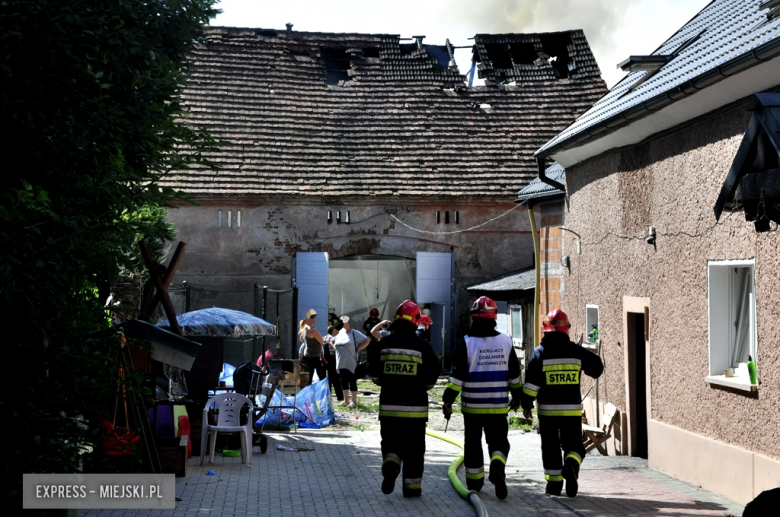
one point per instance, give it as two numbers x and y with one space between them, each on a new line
764 54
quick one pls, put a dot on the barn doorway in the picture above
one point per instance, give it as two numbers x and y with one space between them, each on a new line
357 284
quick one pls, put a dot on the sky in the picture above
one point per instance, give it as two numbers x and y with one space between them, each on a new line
615 29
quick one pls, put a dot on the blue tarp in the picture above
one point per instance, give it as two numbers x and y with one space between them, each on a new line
221 322
314 408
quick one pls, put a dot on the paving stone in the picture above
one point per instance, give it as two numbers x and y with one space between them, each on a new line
342 477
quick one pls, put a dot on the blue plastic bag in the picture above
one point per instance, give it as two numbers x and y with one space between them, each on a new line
227 373
313 404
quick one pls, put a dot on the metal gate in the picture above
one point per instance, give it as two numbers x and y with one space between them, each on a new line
435 285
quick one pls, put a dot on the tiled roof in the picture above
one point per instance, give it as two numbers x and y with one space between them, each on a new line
521 280
396 118
723 39
537 188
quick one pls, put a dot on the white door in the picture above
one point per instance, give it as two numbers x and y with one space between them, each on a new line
435 285
502 322
311 278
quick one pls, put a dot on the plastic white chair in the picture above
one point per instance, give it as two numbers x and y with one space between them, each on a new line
227 408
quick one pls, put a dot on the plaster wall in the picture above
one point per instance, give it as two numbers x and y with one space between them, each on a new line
273 229
672 184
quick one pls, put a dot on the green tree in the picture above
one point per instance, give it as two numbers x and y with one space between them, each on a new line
88 100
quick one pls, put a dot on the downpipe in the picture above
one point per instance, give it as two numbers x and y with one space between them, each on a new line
472 496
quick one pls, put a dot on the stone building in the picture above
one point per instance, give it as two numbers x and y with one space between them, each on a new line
682 298
363 169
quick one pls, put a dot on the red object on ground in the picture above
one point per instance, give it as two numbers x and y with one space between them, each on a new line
184 428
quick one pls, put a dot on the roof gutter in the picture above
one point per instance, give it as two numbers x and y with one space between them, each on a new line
543 176
758 55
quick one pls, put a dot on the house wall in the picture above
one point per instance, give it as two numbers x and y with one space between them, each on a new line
720 438
273 229
551 283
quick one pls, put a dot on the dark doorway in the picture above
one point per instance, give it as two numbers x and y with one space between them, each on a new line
637 362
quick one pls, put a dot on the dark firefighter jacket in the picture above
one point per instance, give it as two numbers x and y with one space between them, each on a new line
406 368
484 370
553 376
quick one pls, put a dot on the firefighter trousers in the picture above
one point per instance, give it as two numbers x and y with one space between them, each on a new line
403 447
560 434
495 428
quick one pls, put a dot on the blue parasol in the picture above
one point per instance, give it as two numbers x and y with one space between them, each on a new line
221 322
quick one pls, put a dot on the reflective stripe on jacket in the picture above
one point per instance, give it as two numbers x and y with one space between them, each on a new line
553 376
406 368
485 369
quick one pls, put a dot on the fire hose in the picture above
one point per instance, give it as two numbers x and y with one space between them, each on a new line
472 496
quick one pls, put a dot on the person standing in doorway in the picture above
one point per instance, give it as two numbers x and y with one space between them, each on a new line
334 380
406 368
552 378
485 369
348 344
371 322
313 351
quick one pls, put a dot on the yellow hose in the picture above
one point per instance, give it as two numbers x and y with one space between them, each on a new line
452 471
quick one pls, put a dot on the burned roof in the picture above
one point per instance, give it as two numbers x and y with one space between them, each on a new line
537 189
725 38
322 114
528 57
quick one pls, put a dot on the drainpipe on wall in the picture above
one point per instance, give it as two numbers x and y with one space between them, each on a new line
546 179
538 272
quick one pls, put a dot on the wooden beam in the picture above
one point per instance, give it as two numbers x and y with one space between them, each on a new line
167 277
152 266
746 154
759 184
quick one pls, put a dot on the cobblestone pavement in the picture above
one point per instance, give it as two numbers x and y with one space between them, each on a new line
341 477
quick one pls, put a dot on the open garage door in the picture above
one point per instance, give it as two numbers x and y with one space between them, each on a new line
436 286
310 275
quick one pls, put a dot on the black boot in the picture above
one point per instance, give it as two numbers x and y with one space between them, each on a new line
570 474
498 478
390 471
475 484
554 487
412 490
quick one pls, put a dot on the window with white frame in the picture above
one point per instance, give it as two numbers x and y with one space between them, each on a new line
732 319
591 324
516 324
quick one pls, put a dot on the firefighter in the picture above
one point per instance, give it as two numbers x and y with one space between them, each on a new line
485 370
423 328
552 377
406 368
371 322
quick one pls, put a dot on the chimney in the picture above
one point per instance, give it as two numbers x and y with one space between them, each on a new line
289 30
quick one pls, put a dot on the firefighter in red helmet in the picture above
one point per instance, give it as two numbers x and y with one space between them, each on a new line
485 369
552 377
405 367
371 322
423 327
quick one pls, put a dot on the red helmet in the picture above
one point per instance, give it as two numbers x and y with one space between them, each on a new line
426 320
408 310
484 307
556 321
374 312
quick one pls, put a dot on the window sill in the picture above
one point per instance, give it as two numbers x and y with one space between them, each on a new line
591 346
737 383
